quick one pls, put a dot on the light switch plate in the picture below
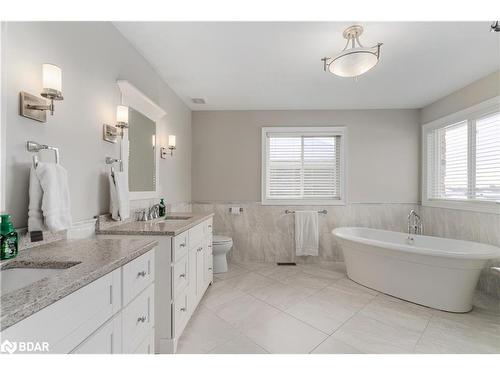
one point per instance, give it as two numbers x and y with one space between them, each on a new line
26 99
109 133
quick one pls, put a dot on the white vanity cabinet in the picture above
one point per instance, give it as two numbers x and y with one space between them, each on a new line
113 314
191 274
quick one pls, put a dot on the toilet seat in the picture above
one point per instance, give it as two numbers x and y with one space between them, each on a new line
218 239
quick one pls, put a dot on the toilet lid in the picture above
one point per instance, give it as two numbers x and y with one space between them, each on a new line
221 239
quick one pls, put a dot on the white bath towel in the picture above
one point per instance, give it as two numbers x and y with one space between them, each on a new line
49 198
35 214
119 204
306 233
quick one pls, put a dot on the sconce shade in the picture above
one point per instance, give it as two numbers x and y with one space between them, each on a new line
171 141
122 115
52 78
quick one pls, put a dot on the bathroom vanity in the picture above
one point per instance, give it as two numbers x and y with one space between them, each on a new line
83 296
183 268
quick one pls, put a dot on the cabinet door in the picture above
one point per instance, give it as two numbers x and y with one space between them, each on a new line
200 271
192 297
106 340
208 261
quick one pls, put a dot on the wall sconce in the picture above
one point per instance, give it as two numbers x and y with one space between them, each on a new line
171 144
34 107
171 147
122 117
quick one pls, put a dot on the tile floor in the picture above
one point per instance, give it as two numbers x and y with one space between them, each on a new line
262 308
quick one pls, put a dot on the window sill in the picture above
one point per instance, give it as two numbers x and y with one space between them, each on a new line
302 202
474 206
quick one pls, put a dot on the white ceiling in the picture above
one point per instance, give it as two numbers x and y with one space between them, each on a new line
276 65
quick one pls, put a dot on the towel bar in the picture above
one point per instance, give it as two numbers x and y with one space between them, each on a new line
319 212
32 146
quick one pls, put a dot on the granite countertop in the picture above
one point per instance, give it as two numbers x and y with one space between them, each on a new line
89 260
160 226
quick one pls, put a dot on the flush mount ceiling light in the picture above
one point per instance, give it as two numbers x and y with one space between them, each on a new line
354 60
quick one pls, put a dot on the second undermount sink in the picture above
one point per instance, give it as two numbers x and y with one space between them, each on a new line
17 275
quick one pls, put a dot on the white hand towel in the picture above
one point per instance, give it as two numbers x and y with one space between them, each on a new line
55 206
35 214
306 233
119 202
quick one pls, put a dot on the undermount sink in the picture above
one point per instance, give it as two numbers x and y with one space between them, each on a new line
177 218
16 275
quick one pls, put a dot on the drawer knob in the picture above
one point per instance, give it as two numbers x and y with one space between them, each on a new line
210 226
182 275
210 268
183 309
141 319
183 244
141 274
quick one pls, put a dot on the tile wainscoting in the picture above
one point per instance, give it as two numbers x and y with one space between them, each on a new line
266 234
469 226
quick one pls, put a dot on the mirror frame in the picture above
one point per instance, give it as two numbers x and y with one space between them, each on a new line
133 97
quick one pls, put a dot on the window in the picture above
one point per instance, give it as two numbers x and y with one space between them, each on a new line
462 161
303 165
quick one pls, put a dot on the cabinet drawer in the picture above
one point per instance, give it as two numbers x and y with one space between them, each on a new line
180 275
179 246
208 226
68 322
137 275
196 235
148 345
106 340
180 313
138 320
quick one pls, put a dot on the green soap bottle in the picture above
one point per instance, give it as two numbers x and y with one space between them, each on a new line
8 238
162 208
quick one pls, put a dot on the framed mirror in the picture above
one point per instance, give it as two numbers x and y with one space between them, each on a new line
139 146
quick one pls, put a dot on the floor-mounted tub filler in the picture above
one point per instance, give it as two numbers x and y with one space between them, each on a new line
431 271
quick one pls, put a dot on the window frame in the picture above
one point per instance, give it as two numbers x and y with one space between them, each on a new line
305 131
470 115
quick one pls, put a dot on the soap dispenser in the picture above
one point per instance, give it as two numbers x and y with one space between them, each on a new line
162 208
8 238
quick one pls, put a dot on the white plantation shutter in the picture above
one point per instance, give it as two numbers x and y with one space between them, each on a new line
463 159
447 162
302 166
487 179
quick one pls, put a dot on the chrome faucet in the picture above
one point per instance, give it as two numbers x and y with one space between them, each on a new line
154 212
149 214
414 225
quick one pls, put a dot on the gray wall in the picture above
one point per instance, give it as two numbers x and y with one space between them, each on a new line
478 91
92 55
383 152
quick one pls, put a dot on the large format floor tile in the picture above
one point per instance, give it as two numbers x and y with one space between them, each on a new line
245 312
371 336
284 334
239 345
204 332
281 295
309 308
397 312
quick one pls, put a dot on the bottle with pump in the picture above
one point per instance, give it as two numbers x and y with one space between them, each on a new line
8 238
162 208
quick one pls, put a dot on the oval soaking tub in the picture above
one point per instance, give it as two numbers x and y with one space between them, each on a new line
432 271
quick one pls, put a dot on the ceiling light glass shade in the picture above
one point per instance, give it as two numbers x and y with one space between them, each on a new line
353 62
355 59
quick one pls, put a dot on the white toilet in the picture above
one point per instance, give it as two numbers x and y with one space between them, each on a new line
221 246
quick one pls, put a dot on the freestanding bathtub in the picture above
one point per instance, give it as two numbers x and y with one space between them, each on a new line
431 271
